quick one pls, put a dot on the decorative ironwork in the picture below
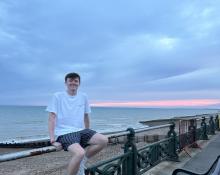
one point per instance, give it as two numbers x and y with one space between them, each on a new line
133 161
114 166
137 161
153 154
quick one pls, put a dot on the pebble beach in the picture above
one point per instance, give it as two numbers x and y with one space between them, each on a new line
55 163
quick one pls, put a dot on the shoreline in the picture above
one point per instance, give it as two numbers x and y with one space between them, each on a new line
44 141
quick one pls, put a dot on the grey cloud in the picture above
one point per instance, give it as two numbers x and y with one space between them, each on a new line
119 47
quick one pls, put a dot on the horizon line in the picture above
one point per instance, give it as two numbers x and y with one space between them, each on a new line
159 103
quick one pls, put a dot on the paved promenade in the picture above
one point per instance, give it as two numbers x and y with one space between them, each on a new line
200 160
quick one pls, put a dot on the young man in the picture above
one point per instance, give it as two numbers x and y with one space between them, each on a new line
69 124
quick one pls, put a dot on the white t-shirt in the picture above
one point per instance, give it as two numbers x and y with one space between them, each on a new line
70 111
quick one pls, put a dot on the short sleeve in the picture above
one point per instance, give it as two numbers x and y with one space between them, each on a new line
87 106
53 105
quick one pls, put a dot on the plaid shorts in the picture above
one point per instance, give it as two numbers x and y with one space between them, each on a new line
82 137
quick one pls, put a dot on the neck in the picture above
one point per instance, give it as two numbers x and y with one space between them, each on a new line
72 92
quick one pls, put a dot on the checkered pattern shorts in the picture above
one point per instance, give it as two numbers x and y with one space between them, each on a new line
82 137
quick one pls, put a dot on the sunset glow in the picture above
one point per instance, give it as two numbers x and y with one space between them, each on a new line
161 103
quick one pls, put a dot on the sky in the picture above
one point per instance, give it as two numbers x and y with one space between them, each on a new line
142 53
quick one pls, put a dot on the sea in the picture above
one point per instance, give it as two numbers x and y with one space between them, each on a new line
22 122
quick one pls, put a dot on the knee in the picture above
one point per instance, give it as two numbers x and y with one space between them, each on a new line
77 152
80 154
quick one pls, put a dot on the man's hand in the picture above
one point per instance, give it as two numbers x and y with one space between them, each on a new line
57 145
52 141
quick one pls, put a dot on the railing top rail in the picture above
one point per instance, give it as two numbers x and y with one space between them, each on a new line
200 117
152 128
25 141
123 133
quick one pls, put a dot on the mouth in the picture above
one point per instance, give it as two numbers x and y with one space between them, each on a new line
73 86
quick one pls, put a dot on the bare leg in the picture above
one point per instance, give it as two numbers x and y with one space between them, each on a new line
78 154
97 143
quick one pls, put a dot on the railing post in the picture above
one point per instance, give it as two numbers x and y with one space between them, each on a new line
204 135
216 123
211 126
173 144
130 166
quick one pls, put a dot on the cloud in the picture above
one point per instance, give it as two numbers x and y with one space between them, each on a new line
122 49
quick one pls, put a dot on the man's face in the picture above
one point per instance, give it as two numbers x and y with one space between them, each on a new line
72 84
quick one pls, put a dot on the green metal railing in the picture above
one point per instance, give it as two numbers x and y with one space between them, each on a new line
194 134
136 161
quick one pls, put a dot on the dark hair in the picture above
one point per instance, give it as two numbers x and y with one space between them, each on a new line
72 75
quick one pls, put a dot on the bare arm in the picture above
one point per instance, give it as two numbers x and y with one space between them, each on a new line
51 126
86 120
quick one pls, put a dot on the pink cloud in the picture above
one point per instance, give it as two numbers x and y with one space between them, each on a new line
160 103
